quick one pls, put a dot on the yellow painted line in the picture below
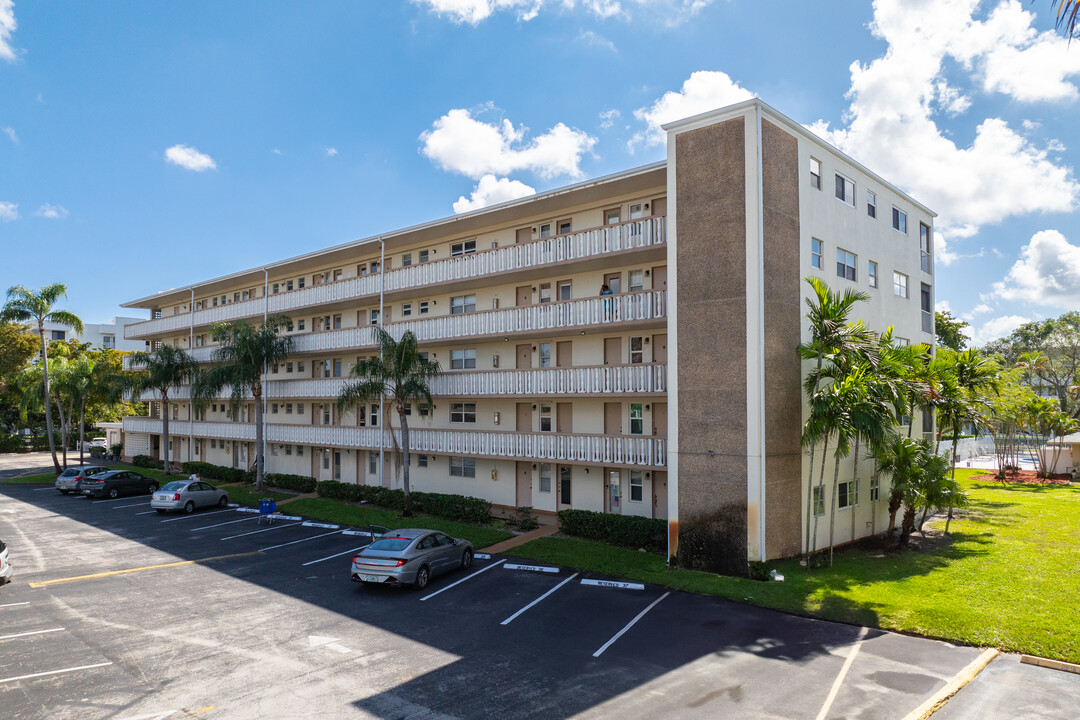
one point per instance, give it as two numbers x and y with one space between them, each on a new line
942 696
202 710
141 569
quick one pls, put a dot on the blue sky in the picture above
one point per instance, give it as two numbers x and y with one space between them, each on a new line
149 145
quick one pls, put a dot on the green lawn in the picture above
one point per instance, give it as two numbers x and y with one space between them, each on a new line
247 496
1010 578
335 511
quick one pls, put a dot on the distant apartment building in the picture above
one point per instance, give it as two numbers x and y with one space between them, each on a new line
106 335
677 396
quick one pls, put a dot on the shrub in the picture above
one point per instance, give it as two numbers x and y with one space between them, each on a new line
97 452
222 473
526 519
145 461
117 449
715 542
40 442
13 444
626 530
453 507
299 483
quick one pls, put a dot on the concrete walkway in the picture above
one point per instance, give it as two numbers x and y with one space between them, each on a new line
298 497
542 531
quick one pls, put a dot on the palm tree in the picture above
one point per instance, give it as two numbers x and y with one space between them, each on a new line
1067 11
81 380
831 335
166 367
242 357
898 458
25 306
400 373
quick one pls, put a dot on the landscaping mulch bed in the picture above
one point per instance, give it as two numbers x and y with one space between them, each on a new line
1027 477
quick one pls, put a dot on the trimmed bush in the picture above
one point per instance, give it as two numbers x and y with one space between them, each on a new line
299 483
13 444
453 507
145 461
715 542
222 473
626 530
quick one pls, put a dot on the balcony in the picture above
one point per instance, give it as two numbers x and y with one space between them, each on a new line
595 243
642 379
589 449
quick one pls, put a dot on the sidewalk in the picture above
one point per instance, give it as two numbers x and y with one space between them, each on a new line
542 531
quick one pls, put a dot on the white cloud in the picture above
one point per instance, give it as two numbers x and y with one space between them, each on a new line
275 151
9 211
7 29
190 158
1001 173
994 329
53 212
1047 273
10 132
473 12
704 90
491 191
942 306
331 151
608 118
460 143
592 39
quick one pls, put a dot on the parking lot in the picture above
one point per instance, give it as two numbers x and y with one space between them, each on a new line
119 612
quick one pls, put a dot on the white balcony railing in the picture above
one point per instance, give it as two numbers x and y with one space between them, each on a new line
598 380
607 240
619 450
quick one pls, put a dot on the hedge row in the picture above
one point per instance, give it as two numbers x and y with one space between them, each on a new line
453 507
145 461
626 530
299 483
14 444
223 473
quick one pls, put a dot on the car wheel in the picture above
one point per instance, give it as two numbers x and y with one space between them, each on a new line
189 507
224 501
160 511
466 559
113 493
151 488
422 577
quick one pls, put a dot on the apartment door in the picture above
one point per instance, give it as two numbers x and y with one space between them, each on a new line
325 473
612 418
565 481
613 491
564 417
659 495
614 282
659 206
523 235
524 357
524 484
564 353
659 419
244 455
659 277
524 417
659 348
524 295
613 351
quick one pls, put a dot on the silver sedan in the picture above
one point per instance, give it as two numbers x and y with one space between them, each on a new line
187 495
410 557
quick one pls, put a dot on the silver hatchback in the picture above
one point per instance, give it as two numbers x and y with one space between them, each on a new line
187 495
410 557
68 481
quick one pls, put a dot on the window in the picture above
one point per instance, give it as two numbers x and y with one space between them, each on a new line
421 460
300 324
637 485
637 354
288 408
274 368
637 419
374 315
927 420
564 227
213 444
462 467
423 256
545 355
325 414
815 173
545 230
545 292
925 250
373 462
636 280
463 359
565 290
423 307
926 300
407 407
545 417
274 409
198 446
300 366
899 284
59 334
875 489
425 409
545 477
871 204
337 368
374 415
819 500
463 412
288 449
845 264
848 494
337 322
899 220
461 304
276 289
108 341
300 283
871 273
816 253
845 190
611 217
463 248
289 286
273 449
406 260
406 310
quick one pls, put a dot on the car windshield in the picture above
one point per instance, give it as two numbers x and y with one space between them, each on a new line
392 543
174 486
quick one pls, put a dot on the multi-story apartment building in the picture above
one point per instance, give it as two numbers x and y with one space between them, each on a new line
105 335
677 396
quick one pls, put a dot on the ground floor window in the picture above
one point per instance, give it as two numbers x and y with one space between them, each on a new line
637 485
849 494
545 477
819 500
875 489
462 467
373 462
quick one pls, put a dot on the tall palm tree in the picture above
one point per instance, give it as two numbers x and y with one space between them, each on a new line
241 359
831 335
400 373
26 306
81 380
1067 12
163 369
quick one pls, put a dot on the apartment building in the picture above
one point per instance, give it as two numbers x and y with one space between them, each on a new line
678 395
103 335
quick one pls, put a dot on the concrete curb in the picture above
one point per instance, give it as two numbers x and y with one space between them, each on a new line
942 696
1052 664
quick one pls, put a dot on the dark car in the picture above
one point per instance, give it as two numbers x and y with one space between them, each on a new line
118 482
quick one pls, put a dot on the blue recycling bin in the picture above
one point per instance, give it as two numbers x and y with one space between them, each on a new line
267 508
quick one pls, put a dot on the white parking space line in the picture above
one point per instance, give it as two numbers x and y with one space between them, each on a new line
510 619
843 673
230 522
14 604
53 672
193 516
138 504
154 716
43 489
467 577
330 526
313 537
34 632
331 557
629 625
255 532
148 512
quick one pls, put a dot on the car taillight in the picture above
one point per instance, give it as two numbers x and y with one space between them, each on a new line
356 559
401 562
176 496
